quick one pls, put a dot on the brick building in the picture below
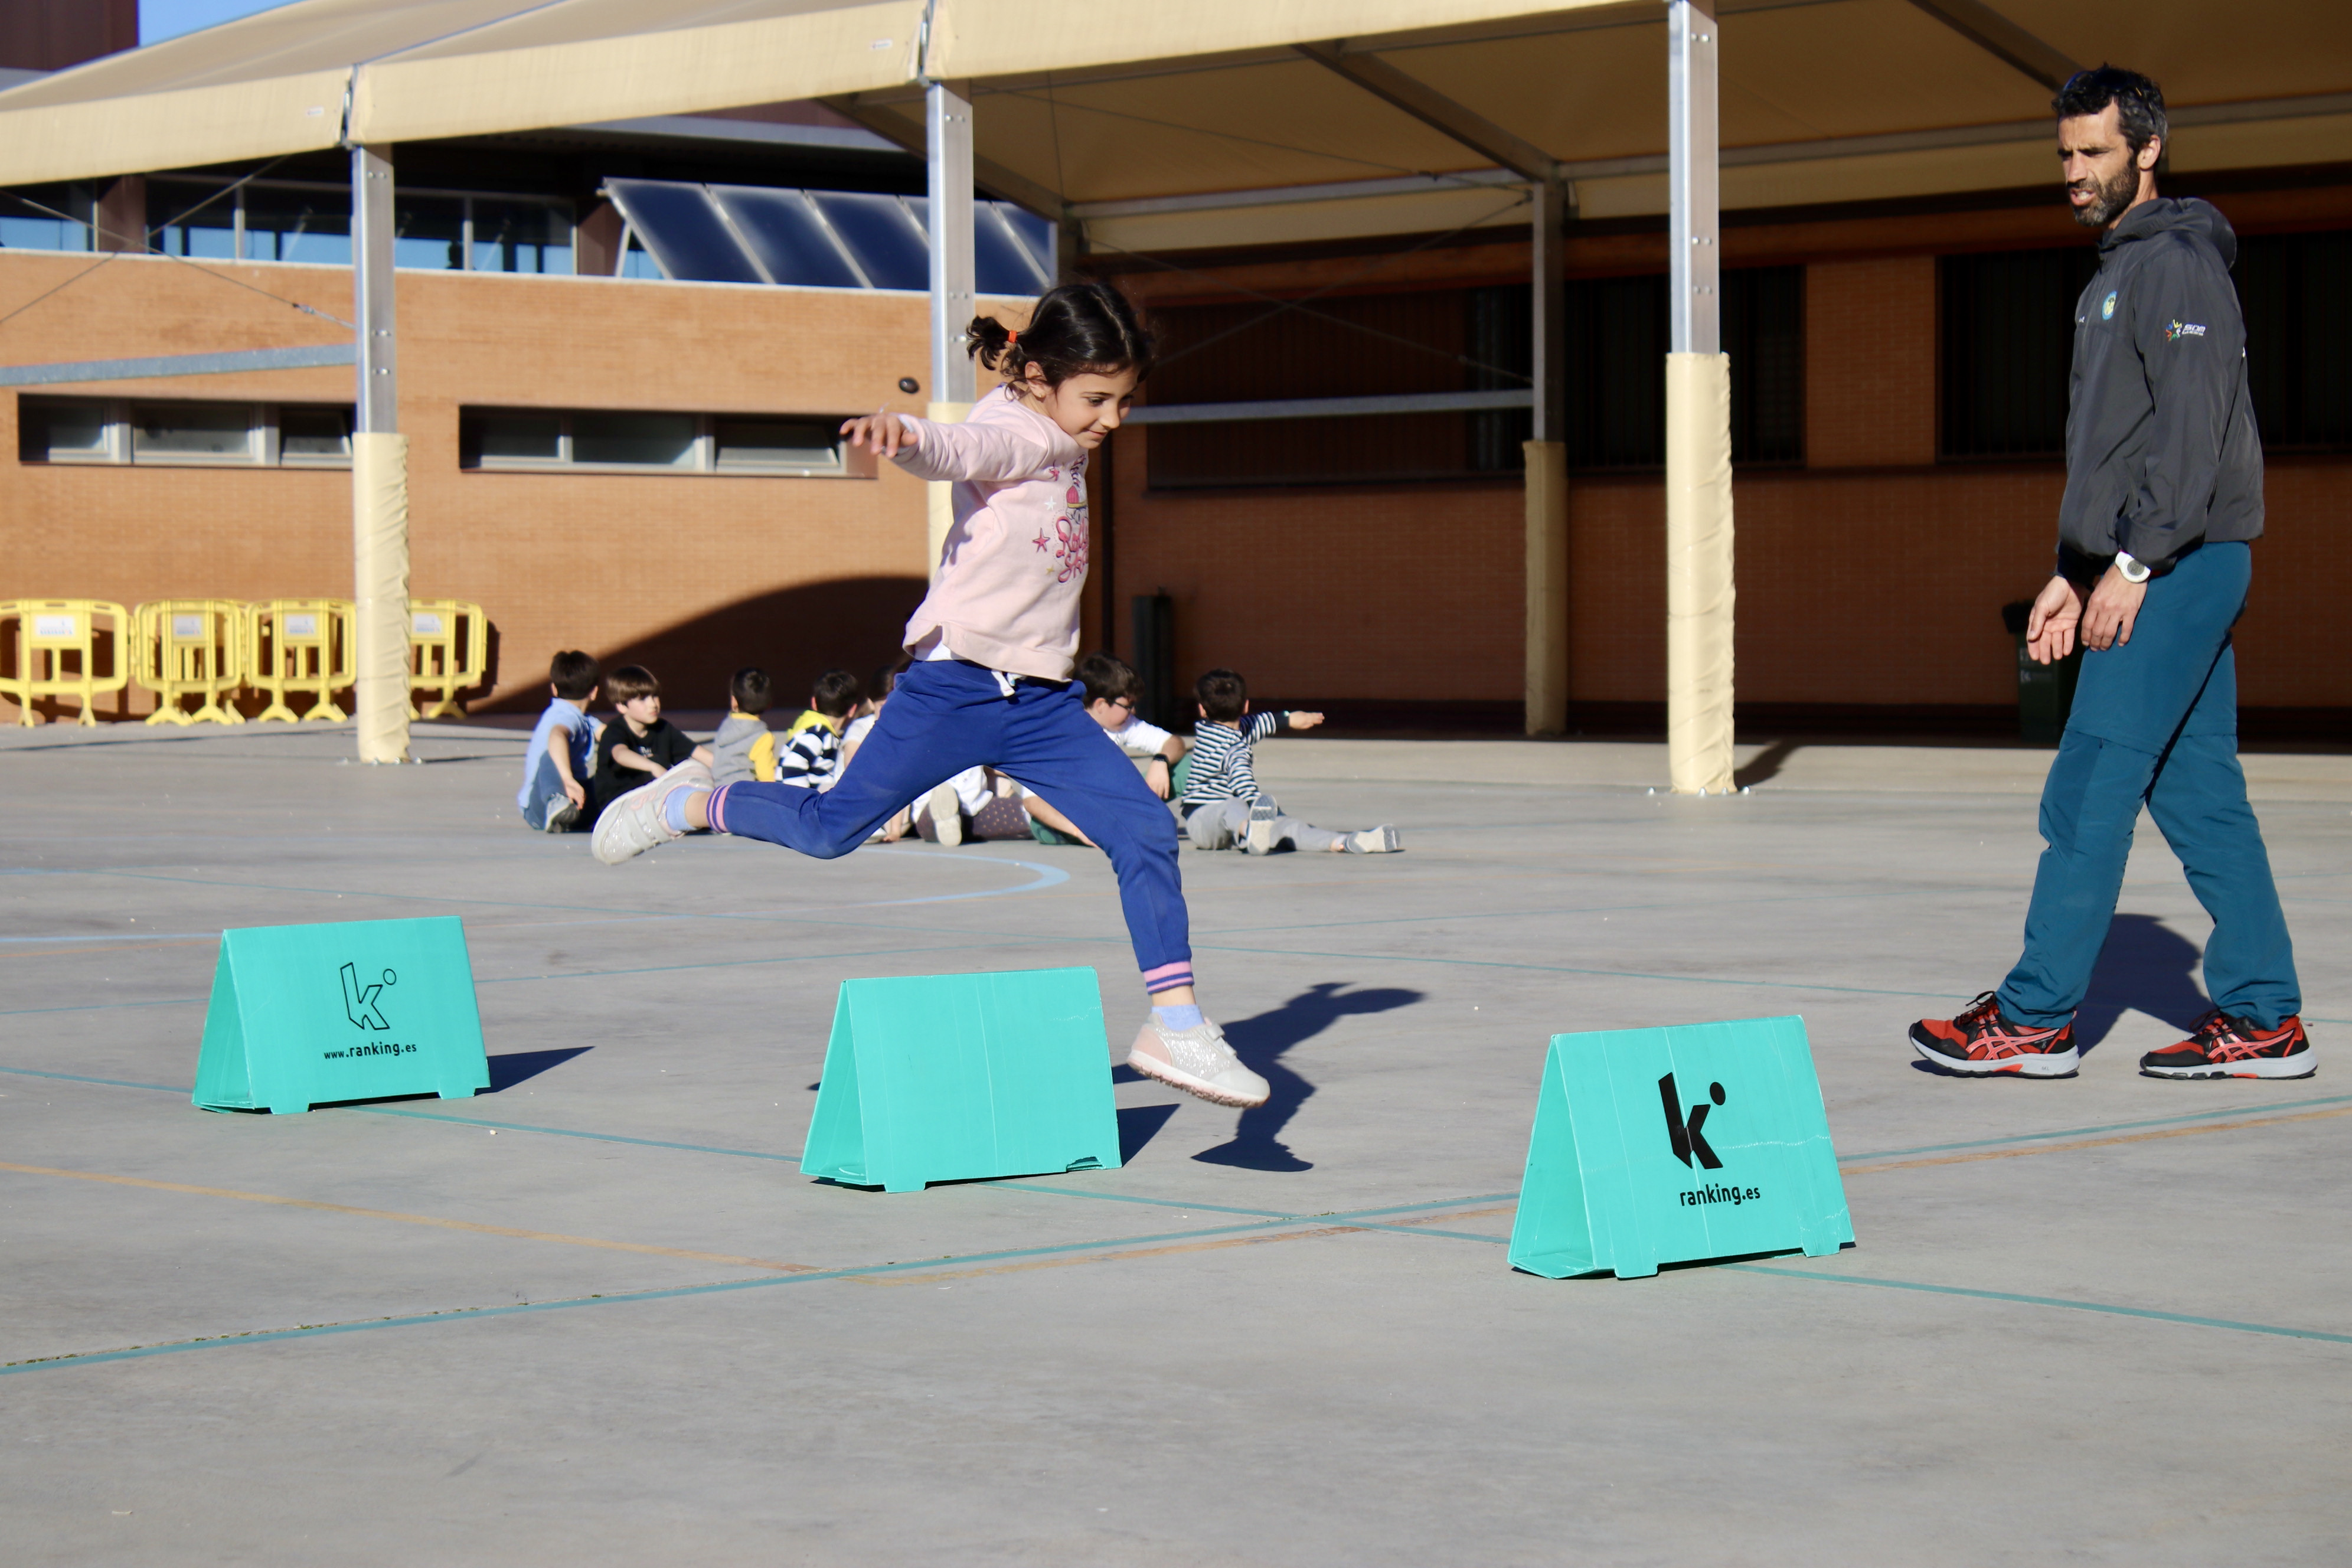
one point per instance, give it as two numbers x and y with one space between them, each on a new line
607 455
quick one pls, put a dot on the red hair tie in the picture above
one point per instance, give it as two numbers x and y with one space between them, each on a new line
1012 338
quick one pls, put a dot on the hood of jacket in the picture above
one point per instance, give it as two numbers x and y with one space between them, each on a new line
2185 216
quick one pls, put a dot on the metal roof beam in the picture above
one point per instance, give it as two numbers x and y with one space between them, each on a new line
1995 34
988 174
1435 110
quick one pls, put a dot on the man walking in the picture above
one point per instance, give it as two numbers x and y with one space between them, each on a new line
2164 489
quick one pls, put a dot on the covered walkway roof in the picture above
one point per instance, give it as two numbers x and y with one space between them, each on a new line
1228 121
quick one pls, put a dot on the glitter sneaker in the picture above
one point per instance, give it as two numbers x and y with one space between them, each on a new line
1198 1061
632 824
2229 1046
1981 1041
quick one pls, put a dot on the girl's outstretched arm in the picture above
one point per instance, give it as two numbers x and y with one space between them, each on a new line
930 450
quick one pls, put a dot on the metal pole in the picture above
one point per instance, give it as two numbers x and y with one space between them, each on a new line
1694 199
948 118
378 477
1699 581
1547 467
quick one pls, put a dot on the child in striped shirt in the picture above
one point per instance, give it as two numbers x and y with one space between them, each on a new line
1223 807
812 748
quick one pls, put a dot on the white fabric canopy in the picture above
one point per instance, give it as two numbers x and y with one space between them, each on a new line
1100 102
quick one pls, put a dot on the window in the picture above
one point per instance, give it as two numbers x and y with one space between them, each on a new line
2008 350
1473 339
2299 338
185 434
47 218
310 220
818 239
606 441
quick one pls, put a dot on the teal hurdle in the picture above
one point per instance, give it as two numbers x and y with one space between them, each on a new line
304 1015
944 1077
1674 1145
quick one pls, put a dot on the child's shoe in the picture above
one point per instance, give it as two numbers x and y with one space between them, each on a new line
634 823
560 816
947 814
1198 1061
1381 840
1257 836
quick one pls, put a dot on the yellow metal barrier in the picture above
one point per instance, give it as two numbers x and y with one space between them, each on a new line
190 648
295 646
448 647
50 635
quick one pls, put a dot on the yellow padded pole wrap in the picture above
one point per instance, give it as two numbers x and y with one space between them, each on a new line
1700 592
942 495
1547 569
380 621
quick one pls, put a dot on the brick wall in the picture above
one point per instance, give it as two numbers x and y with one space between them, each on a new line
692 574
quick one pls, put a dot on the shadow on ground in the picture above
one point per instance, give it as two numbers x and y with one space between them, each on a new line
2146 967
1256 1143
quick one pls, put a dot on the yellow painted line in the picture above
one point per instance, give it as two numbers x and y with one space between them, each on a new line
2093 1143
928 1276
439 1224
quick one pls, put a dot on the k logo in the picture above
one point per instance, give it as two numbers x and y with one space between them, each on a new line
1684 1130
361 1006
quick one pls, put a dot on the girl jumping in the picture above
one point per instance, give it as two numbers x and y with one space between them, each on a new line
992 645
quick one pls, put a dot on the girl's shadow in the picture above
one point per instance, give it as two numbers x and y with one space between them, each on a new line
1261 1043
2146 966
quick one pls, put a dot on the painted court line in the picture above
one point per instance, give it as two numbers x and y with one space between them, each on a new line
2107 1127
2060 1301
667 1293
506 1230
2096 1142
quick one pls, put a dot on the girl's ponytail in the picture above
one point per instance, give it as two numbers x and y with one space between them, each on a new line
989 338
1075 329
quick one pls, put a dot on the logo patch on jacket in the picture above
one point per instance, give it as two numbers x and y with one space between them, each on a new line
2107 307
2179 329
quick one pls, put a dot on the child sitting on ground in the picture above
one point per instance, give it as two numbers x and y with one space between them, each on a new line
744 747
812 750
1112 692
556 765
1223 805
641 746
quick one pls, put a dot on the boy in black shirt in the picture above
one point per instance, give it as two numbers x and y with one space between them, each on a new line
641 745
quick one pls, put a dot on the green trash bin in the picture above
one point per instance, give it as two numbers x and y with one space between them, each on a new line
2045 692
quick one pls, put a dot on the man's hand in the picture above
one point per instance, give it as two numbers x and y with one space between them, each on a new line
2114 606
2049 629
882 430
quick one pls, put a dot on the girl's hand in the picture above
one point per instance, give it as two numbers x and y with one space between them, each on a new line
882 430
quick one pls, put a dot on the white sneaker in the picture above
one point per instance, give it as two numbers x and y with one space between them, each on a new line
632 824
1198 1061
947 814
1381 840
1257 836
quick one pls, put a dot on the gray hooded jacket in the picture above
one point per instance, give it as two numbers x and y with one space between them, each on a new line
2161 451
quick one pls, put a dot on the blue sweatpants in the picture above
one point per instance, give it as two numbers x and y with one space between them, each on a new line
2156 721
947 715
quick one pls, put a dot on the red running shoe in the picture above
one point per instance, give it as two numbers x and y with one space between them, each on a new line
1981 1041
2227 1046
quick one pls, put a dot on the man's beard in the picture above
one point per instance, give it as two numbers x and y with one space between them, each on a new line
2109 199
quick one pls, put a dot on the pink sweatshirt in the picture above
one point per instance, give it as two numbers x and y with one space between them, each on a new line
1016 559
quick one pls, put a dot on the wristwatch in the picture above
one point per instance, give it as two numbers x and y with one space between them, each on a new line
2133 571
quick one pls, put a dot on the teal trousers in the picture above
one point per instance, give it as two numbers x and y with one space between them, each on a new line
2155 723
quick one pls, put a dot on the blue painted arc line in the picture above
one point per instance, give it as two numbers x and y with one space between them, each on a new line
1046 877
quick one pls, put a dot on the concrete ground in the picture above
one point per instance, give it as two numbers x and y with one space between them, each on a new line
598 1315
